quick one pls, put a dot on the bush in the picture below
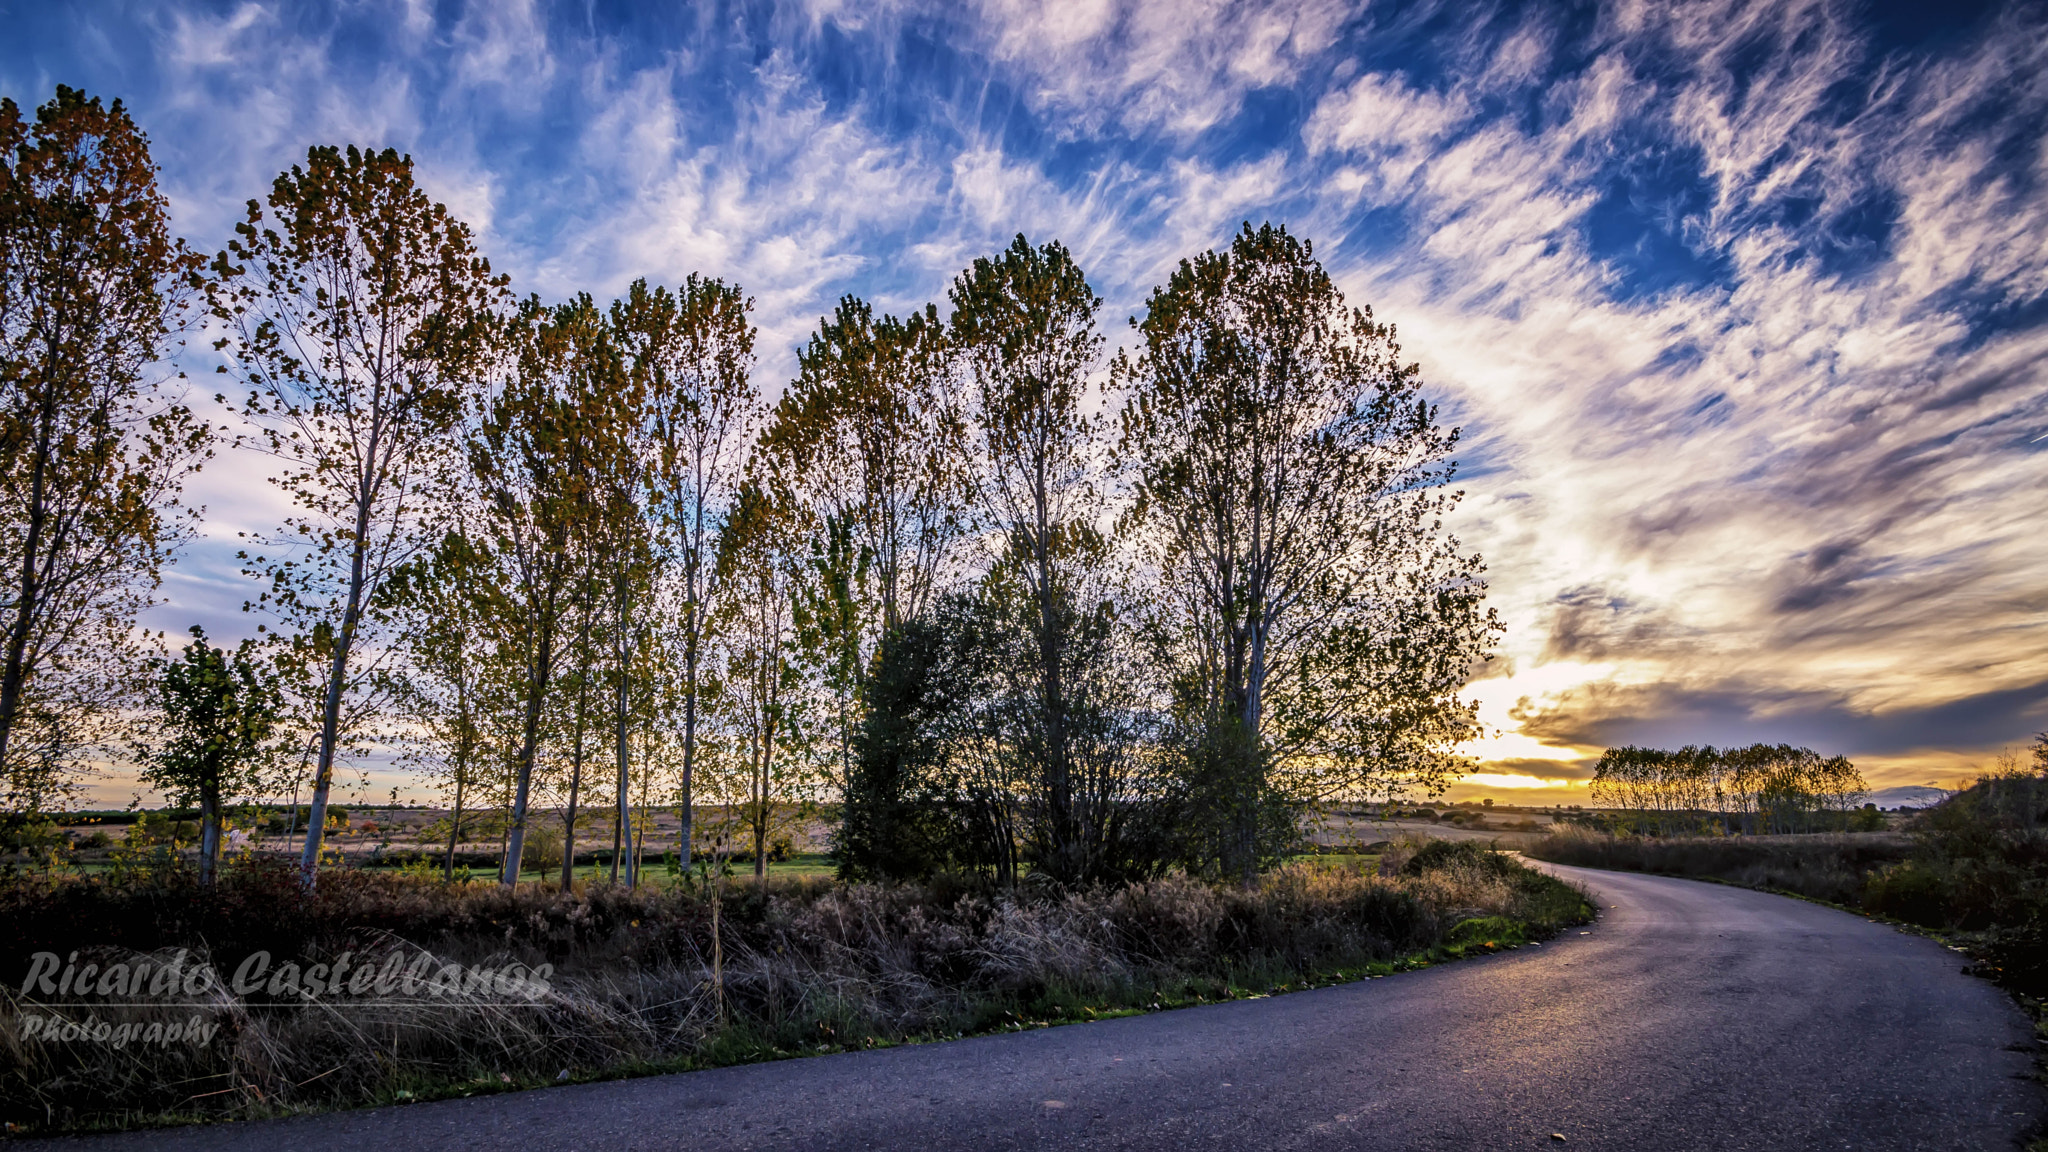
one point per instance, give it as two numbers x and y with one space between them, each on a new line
2017 956
1438 854
1910 891
26 833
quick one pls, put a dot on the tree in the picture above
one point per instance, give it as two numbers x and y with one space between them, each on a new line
217 715
1763 788
1289 482
537 453
689 357
925 793
578 728
761 679
835 589
869 439
626 571
454 671
1023 327
92 451
869 436
625 555
360 315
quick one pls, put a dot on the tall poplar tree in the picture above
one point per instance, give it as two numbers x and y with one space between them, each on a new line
761 678
92 450
1291 484
538 455
360 315
1023 327
627 571
870 435
454 670
869 438
690 358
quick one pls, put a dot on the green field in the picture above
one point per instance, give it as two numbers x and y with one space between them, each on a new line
1352 861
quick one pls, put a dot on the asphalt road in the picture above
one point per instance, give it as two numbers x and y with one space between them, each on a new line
1691 1016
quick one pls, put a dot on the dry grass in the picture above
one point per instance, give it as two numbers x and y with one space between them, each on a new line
1823 866
807 966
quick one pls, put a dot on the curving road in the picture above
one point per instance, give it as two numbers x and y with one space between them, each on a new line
1691 1016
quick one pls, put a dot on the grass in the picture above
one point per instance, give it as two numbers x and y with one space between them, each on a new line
807 966
1355 861
1828 867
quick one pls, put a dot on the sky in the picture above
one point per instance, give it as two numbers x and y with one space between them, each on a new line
1742 308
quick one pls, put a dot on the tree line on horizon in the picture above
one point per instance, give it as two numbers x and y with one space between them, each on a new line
1011 605
1758 790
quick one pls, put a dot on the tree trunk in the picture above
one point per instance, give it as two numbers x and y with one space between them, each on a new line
621 710
625 790
537 678
455 822
15 674
683 835
761 820
515 827
618 828
575 783
209 835
330 712
636 835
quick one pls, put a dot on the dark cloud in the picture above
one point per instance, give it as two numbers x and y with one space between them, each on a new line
1835 572
1671 715
1543 769
1594 623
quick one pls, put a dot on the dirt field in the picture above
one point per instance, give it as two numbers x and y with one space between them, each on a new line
1511 829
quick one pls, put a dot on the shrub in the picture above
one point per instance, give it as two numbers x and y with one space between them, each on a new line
1438 854
1910 891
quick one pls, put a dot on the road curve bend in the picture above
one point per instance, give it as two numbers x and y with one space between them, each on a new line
1691 1016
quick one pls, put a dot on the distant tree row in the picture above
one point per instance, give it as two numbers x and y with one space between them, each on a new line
1764 788
1002 610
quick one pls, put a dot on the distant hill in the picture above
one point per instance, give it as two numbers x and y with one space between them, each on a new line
1908 796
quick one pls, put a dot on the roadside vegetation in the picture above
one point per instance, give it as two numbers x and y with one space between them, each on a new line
706 972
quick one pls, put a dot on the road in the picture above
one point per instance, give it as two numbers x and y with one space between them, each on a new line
1691 1016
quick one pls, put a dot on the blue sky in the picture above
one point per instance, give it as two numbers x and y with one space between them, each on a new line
1743 308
